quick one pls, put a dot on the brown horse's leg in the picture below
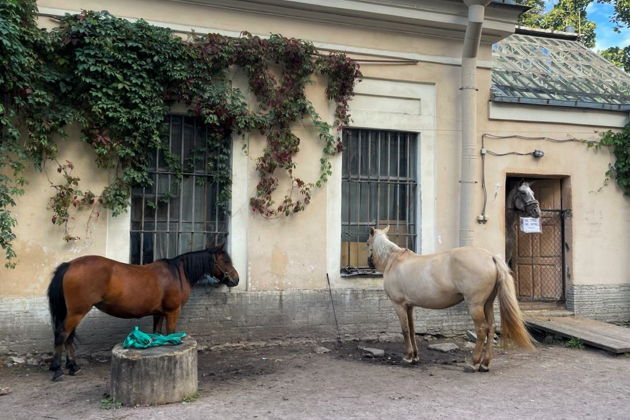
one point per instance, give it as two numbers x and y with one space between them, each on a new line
55 365
62 337
412 335
158 322
481 328
171 320
401 311
71 363
72 321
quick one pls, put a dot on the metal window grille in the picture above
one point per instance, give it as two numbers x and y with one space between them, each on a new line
379 188
176 214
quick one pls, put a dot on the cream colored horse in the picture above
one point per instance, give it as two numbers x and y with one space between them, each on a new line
441 280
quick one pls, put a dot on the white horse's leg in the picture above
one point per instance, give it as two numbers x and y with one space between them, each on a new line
412 335
401 311
481 328
488 350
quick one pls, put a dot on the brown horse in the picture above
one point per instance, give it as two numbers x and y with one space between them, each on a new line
441 280
127 291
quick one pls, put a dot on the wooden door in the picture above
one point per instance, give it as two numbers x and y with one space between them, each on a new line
539 260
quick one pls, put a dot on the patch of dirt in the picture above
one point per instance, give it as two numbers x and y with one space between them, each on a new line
293 381
394 353
231 365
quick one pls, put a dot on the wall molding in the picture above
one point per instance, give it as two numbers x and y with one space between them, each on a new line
559 115
327 46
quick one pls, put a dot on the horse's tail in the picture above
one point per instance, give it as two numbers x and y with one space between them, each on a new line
512 325
57 302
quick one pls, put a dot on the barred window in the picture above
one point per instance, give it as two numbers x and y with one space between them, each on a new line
379 188
176 214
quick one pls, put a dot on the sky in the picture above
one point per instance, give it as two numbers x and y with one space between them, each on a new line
605 35
600 13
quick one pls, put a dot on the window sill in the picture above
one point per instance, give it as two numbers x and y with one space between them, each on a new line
360 272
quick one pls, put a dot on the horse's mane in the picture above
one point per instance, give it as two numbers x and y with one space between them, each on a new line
382 247
195 263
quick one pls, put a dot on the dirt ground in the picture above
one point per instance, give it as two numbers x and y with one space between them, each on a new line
295 382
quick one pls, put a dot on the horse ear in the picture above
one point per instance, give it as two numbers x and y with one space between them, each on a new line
386 229
221 246
371 231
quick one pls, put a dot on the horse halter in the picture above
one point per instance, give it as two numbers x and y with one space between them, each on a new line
225 273
531 203
527 203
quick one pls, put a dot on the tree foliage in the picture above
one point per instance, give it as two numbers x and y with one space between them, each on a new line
566 13
620 57
563 14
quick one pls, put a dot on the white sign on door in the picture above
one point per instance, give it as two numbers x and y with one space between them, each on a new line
530 225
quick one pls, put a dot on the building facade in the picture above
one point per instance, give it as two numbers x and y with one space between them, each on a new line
400 167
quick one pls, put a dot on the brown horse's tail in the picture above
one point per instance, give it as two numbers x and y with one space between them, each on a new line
57 302
512 326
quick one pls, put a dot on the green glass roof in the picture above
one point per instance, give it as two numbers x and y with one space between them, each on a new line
546 71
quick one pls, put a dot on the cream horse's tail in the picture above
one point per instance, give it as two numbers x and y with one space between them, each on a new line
512 326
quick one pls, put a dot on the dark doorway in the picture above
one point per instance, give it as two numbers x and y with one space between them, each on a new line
539 259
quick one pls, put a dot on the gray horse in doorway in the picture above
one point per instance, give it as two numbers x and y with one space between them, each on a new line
520 202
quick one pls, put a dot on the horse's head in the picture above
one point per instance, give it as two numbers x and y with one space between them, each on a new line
370 244
523 200
223 268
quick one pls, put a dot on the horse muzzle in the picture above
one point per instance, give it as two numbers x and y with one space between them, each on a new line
533 209
230 281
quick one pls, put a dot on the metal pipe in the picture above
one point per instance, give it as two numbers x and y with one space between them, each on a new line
476 12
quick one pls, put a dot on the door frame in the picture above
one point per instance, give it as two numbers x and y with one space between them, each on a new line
566 230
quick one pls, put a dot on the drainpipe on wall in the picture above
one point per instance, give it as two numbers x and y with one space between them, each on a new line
476 12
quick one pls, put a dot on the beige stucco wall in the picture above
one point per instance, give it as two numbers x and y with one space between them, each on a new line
292 253
39 245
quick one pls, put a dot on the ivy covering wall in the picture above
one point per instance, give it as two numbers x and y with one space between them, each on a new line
118 79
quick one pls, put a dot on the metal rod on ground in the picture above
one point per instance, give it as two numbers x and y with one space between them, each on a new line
333 307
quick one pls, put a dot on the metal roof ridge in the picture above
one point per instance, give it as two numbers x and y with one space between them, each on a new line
547 33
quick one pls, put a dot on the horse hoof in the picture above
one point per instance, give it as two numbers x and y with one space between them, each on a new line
407 360
74 370
57 376
483 368
469 369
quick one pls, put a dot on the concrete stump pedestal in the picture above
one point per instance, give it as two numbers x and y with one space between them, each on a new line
157 375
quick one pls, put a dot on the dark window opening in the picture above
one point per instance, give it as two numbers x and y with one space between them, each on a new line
176 214
379 188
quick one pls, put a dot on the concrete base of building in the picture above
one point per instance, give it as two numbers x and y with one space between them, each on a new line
602 302
216 317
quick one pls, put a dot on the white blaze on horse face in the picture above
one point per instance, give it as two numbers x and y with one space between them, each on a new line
525 188
525 201
528 197
380 247
373 233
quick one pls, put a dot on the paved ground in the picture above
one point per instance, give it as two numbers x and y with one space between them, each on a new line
294 382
